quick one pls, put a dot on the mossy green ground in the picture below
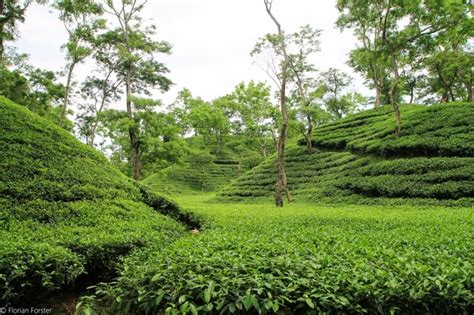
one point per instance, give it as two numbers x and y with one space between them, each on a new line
303 257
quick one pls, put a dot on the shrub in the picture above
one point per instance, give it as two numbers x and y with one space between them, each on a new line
65 213
306 259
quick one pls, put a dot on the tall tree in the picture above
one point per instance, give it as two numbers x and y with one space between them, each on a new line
366 18
306 43
138 66
279 69
97 93
337 100
255 112
82 19
99 90
11 13
401 24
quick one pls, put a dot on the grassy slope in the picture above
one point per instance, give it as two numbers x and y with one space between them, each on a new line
66 215
303 257
358 159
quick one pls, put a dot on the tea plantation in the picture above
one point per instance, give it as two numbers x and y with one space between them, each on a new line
194 178
359 159
381 224
306 259
66 215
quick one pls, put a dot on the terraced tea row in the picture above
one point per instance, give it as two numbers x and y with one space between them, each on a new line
66 215
438 130
194 177
358 159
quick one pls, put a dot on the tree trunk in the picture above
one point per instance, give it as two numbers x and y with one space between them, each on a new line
274 139
446 88
101 107
468 86
281 183
2 48
2 28
378 94
263 148
309 134
134 143
453 98
444 97
412 94
93 132
306 104
67 90
281 177
394 90
218 143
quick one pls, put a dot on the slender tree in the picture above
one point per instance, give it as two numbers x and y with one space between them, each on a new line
11 13
302 71
138 67
97 93
279 70
82 19
99 90
366 18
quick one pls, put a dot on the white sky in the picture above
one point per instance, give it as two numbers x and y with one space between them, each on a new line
211 40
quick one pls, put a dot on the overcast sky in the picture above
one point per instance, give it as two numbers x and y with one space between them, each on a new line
211 40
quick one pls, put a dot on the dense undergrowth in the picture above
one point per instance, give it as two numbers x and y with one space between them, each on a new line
306 258
359 159
66 215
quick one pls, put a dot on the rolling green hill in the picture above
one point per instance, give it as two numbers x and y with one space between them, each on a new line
66 215
195 177
359 159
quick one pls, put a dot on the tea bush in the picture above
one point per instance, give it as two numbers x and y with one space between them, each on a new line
437 130
194 177
66 215
306 259
359 160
